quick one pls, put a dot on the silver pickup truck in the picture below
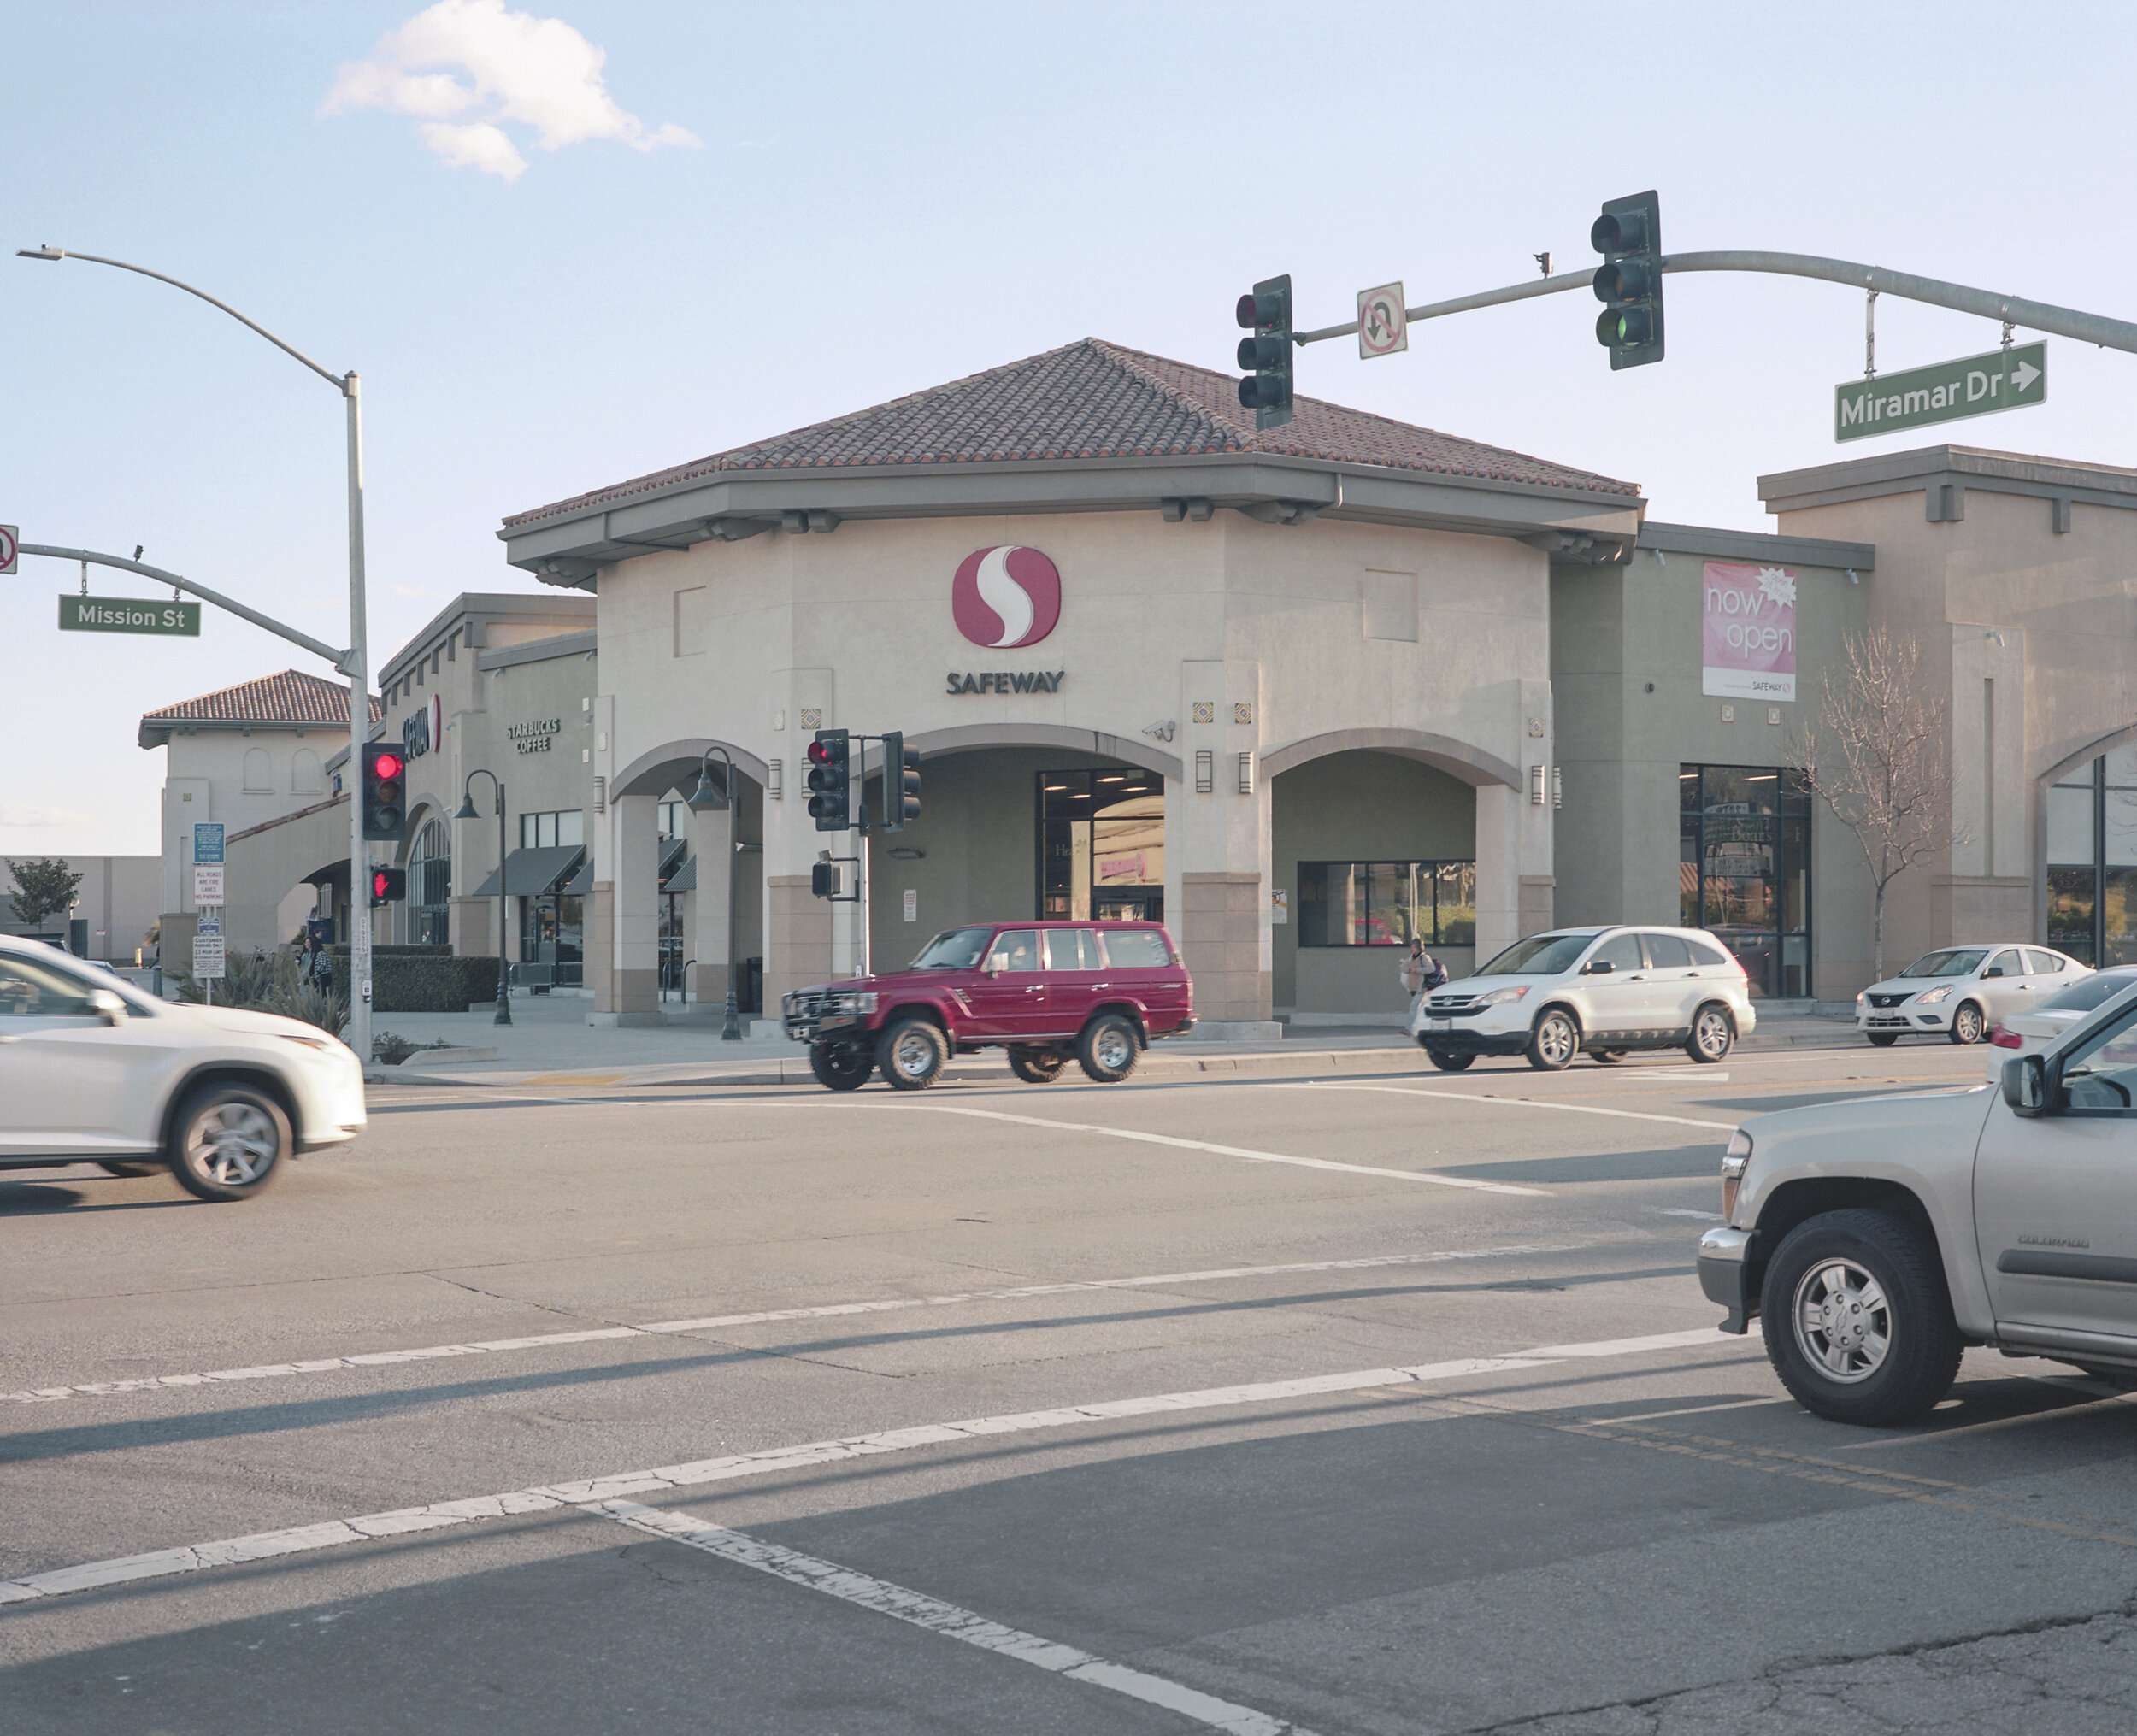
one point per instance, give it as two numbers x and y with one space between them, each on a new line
1877 1238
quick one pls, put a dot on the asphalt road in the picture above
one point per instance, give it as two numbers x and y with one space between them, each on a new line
1384 1405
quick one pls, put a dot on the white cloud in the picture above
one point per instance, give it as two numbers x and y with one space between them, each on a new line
24 813
463 67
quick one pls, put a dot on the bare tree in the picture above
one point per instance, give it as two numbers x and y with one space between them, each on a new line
1877 760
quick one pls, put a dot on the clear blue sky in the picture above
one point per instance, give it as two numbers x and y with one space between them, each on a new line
874 198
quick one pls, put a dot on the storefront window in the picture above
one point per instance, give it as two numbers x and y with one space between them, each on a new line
551 930
1386 904
1102 845
2092 817
430 872
1744 870
550 831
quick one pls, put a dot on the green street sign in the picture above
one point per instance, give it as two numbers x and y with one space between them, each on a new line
1976 385
128 614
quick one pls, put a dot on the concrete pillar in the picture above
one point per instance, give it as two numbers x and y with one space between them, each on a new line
797 928
471 923
1217 844
634 901
797 938
705 926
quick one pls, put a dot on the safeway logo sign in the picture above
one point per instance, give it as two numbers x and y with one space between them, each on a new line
1005 597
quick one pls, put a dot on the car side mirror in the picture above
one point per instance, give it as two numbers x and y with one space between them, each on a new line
2026 1085
1993 970
108 1006
1597 967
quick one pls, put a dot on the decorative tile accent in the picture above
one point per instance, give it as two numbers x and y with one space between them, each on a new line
1536 727
1728 714
812 718
1205 711
1243 712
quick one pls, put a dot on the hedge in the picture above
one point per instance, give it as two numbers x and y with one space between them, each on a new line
421 979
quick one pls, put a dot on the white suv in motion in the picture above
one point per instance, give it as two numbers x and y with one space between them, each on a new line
92 1071
1599 991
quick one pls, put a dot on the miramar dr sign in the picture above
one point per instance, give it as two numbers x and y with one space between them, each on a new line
1975 386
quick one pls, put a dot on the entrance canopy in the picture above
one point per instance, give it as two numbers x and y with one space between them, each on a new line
529 874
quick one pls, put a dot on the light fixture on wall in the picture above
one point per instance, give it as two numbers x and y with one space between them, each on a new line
1536 786
1246 772
1557 787
775 779
1205 771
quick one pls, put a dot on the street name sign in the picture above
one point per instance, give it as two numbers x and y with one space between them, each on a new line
10 545
207 883
128 614
208 956
1383 326
1975 386
208 840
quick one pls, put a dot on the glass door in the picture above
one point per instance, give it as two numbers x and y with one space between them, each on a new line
1102 845
1744 870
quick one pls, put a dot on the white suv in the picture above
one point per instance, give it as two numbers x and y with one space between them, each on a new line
1601 992
92 1071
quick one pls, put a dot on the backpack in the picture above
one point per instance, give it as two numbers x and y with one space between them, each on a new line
1435 972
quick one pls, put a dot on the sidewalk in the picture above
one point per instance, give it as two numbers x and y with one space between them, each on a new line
549 1043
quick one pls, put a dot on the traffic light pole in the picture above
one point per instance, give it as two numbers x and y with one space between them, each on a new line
2035 316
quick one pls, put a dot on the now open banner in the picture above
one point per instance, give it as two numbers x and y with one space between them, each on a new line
1750 631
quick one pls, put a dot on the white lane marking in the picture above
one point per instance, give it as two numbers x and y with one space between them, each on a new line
1233 1150
1470 1097
901 1604
1705 1075
578 1492
829 1311
1679 1211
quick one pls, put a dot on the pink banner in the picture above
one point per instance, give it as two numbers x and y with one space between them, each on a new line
1750 631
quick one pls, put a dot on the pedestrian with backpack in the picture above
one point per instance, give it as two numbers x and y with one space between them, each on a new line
1420 974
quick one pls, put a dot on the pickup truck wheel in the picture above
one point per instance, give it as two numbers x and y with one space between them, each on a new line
1882 1039
1713 1034
1555 1041
1857 1321
913 1054
1447 1062
1967 1025
1037 1066
228 1141
846 1067
1107 1050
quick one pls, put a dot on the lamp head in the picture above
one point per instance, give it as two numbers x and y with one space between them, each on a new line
706 796
40 253
466 809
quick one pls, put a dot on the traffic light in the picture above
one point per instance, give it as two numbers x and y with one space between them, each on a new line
1628 282
384 793
823 880
830 781
389 886
901 782
1266 313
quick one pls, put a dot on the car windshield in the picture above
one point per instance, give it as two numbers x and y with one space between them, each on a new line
1953 961
1541 954
2089 992
953 949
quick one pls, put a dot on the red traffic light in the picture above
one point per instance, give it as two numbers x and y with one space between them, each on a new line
388 765
382 882
819 753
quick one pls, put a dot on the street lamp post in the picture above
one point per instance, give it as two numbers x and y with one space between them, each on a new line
354 663
466 811
703 799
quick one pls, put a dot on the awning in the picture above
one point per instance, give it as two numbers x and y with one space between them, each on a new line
581 883
683 877
528 874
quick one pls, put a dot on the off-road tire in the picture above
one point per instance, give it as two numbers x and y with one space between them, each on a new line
228 1140
1713 1034
1882 1039
1920 1356
844 1067
1037 1066
1448 1062
1968 1024
1555 1041
1108 1049
913 1054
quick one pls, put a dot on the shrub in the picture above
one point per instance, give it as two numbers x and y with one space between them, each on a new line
419 979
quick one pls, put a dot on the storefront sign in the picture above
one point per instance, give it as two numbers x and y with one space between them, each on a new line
537 738
424 728
1007 681
1005 599
1750 631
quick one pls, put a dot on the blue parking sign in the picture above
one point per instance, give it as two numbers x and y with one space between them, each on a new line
208 840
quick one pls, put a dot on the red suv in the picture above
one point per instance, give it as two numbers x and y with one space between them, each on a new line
1044 990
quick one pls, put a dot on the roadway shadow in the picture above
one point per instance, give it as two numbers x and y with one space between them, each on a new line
1700 1162
30 1198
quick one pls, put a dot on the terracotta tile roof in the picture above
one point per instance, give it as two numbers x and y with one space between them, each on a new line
1094 399
291 696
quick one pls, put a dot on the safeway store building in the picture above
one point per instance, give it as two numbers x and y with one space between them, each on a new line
1291 693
